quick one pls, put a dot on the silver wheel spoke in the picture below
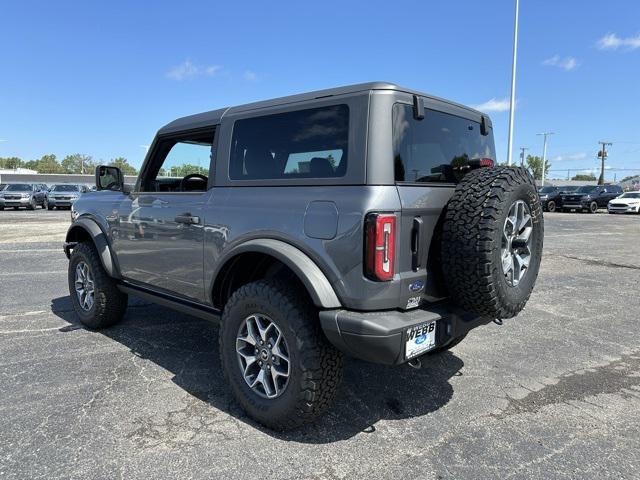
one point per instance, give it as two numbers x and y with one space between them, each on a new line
263 356
516 236
84 286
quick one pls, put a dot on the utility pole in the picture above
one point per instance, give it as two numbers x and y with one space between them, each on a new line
603 154
522 149
512 103
544 154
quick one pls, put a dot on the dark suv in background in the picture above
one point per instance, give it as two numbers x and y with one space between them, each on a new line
590 198
551 196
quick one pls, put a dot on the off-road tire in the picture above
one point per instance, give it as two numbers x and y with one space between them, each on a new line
551 206
109 303
316 366
472 238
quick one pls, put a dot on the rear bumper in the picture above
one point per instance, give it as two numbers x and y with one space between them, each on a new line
380 337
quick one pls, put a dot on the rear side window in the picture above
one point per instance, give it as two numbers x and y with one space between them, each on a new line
435 148
302 144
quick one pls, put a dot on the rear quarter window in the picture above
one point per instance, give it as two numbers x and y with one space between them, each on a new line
434 149
311 143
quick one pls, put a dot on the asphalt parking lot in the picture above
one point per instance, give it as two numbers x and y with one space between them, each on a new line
554 393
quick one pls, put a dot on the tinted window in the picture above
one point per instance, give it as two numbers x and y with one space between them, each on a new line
630 195
547 189
304 144
19 187
436 148
587 189
65 188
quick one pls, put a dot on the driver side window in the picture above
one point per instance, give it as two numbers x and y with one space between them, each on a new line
180 163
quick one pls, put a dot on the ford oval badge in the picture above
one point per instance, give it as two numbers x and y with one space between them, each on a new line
416 286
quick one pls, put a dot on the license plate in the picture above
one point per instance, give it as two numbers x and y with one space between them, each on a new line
420 339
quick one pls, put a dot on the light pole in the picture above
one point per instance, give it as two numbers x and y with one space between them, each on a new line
544 154
512 103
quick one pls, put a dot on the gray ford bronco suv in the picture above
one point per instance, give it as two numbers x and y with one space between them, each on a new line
368 220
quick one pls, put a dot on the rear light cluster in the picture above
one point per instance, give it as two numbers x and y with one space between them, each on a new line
380 246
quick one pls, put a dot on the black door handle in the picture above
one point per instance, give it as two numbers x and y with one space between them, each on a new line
187 218
416 243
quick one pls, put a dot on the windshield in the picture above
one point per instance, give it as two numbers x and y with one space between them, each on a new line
18 187
630 195
569 188
547 189
587 189
65 188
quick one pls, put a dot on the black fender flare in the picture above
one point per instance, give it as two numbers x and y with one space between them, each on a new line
314 280
99 239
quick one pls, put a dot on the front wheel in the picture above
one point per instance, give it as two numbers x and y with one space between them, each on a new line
593 207
32 205
45 204
94 294
551 206
282 370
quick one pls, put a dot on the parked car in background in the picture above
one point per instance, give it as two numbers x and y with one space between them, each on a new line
628 202
3 186
28 195
590 197
64 195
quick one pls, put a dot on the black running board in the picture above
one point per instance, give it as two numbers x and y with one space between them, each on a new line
178 304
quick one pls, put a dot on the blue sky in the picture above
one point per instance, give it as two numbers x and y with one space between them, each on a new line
101 77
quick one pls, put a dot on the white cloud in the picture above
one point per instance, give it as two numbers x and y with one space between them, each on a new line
494 105
188 69
250 75
572 156
566 63
611 41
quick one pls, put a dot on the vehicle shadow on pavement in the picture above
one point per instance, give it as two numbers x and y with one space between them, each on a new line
188 348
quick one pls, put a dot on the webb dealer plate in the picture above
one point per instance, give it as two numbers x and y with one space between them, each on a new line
420 339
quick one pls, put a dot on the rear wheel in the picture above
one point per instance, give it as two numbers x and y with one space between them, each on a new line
551 206
94 294
492 241
282 370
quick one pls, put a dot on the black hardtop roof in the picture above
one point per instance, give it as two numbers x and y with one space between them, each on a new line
213 117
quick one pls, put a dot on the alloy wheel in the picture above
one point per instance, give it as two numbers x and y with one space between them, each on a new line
516 239
263 356
84 286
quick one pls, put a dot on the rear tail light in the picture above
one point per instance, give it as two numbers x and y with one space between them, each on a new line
380 246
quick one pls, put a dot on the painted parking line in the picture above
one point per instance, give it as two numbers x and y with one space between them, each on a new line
33 250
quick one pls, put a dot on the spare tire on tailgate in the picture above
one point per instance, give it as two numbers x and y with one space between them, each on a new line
492 241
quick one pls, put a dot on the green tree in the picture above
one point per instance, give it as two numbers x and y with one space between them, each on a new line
535 165
46 164
11 163
123 164
584 177
78 163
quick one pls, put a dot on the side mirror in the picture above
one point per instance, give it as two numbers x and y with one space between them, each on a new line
109 178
